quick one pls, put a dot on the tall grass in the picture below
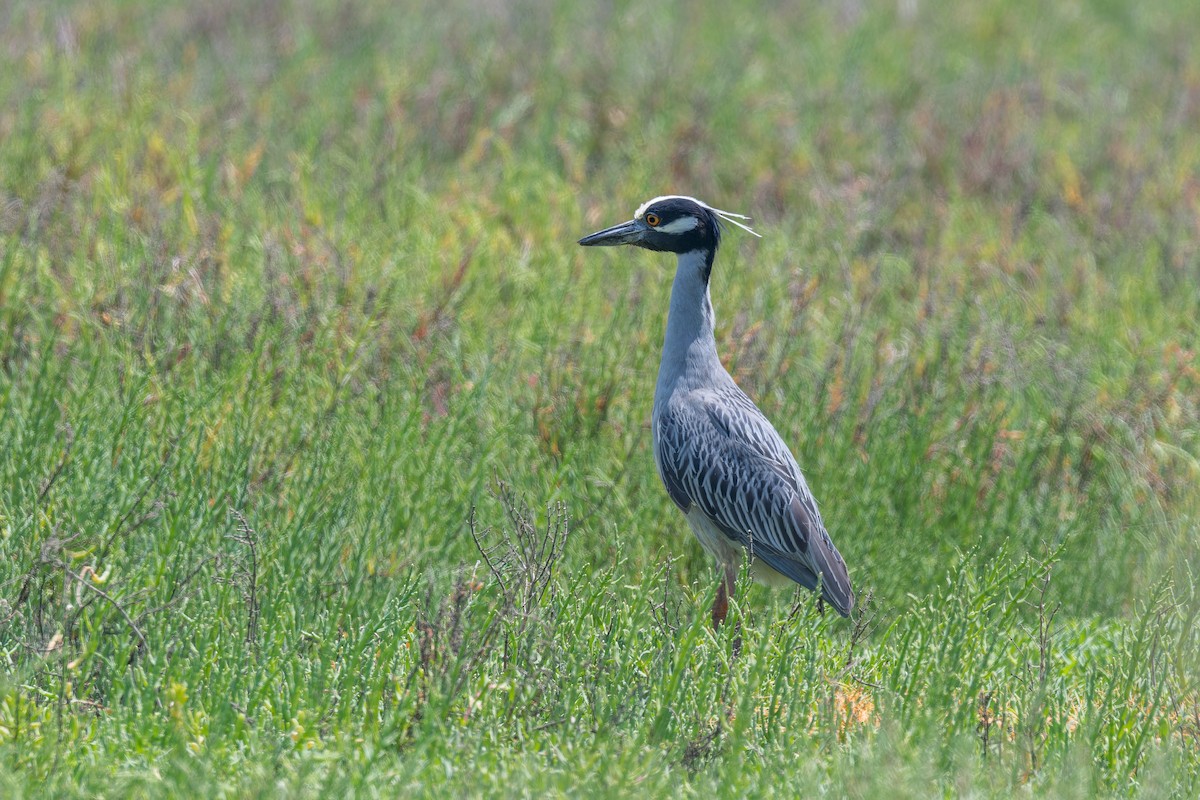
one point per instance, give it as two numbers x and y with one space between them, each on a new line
324 460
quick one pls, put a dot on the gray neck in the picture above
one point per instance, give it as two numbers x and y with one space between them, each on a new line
689 351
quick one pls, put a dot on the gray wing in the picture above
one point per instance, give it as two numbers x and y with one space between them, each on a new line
719 452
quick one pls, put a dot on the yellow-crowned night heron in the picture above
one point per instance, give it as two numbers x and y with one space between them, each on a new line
721 460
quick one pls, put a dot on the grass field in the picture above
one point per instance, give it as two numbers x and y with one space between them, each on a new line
294 331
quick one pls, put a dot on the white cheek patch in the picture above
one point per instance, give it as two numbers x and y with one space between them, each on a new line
681 225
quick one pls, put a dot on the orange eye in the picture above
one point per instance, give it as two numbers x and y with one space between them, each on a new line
652 220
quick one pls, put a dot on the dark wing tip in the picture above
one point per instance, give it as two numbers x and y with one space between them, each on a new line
826 561
842 602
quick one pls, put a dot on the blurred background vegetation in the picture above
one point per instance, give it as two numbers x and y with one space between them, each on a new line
290 306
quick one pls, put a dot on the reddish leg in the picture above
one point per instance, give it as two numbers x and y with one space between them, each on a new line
720 608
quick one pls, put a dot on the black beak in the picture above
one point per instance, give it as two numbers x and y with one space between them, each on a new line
626 233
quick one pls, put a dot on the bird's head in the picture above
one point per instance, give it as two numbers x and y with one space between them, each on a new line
673 224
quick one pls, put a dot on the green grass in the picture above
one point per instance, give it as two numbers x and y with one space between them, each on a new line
292 323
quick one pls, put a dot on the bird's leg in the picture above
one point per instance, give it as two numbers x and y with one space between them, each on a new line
725 591
720 607
731 572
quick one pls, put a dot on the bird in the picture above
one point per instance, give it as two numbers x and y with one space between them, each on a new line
721 460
